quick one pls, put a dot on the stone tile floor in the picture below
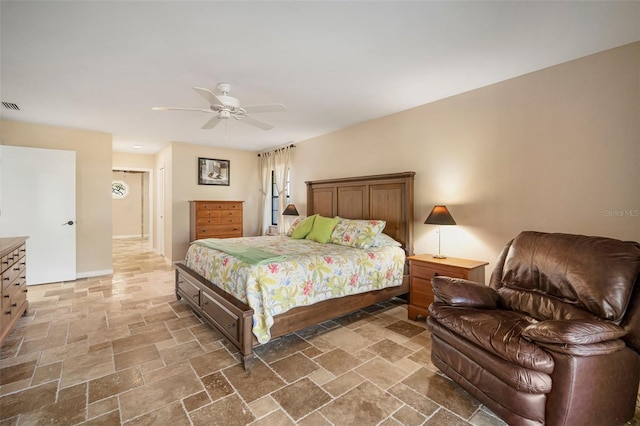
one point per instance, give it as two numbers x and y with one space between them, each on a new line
121 349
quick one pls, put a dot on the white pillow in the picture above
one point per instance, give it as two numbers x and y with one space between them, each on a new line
384 240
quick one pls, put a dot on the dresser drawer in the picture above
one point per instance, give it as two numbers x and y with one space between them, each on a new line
14 272
208 214
13 283
5 314
218 206
219 231
17 299
9 259
226 219
208 220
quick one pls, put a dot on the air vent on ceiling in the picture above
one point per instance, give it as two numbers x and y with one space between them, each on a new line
10 105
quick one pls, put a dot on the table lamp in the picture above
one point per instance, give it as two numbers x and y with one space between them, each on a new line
440 216
290 210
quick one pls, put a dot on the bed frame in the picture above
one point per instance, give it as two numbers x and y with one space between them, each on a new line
388 197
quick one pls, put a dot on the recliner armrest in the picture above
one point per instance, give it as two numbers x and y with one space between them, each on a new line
593 349
459 292
573 332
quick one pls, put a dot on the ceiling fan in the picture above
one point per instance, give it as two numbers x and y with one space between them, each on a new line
225 107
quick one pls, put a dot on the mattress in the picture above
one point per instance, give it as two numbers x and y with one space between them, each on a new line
307 272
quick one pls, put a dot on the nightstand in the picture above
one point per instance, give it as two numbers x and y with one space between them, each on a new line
423 267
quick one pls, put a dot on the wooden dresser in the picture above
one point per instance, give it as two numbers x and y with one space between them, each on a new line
423 267
13 295
215 219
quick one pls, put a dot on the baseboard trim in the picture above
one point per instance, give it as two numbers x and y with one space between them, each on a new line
91 274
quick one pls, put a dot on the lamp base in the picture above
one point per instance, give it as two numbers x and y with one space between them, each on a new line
439 256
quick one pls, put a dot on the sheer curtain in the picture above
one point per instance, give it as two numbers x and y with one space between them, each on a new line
279 161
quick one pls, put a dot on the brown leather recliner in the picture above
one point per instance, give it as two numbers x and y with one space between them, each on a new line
555 337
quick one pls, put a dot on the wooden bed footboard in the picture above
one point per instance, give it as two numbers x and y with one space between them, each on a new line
230 316
234 318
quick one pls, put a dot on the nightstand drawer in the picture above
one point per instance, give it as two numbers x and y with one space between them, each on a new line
427 273
421 298
421 284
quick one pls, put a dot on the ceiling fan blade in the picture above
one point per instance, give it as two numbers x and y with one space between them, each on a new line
212 123
179 109
264 108
254 122
208 95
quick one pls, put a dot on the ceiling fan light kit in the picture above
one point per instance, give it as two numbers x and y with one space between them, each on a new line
226 106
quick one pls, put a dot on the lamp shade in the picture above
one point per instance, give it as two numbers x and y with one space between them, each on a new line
440 216
290 210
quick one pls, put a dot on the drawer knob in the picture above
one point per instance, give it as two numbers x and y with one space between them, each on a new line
6 296
6 278
8 312
194 295
15 305
231 325
16 269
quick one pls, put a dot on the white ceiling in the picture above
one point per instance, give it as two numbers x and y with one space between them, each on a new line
103 65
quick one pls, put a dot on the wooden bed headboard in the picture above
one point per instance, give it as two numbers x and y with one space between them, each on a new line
386 197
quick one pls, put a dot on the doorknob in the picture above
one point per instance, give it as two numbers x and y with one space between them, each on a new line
68 223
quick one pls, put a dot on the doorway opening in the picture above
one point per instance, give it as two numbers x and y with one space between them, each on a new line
131 205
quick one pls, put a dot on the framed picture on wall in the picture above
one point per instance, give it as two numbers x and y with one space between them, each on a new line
213 172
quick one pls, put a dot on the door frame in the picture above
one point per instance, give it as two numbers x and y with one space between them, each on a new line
151 200
161 210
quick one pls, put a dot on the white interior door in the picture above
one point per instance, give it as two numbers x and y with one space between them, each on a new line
38 189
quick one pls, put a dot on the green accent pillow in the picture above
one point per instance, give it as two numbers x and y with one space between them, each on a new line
303 228
322 229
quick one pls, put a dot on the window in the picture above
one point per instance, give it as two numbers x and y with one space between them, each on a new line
274 197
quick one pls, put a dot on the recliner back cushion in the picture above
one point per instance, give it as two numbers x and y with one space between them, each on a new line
562 276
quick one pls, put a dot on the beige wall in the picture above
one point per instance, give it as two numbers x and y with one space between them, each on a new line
129 161
556 150
243 186
93 185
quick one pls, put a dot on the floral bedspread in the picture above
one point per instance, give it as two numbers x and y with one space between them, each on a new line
312 272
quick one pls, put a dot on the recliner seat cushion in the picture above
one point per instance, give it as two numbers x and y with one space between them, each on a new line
497 331
512 375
